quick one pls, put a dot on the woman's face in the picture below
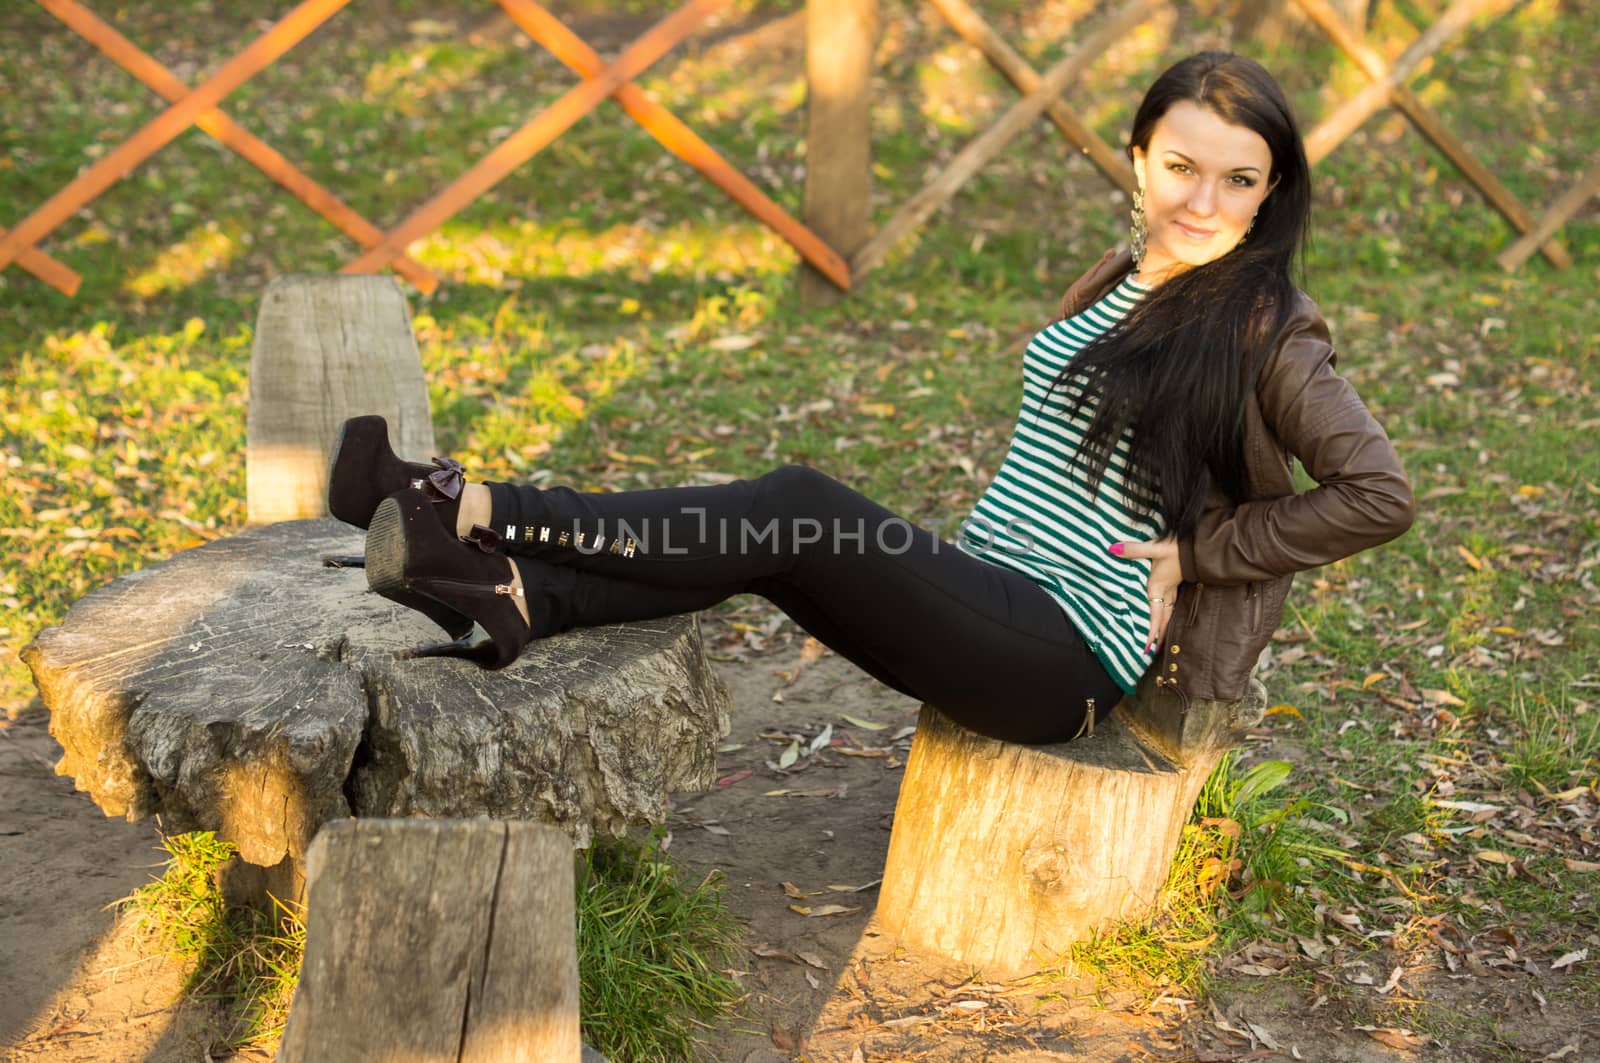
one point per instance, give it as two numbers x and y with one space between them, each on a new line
1203 180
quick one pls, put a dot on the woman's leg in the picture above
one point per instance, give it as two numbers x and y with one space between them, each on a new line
560 598
985 644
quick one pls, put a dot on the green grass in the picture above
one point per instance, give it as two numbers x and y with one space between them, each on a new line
653 952
608 320
247 959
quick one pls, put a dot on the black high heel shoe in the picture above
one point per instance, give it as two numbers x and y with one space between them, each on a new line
363 470
411 558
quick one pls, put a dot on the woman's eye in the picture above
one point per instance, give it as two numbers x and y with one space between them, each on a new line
1177 167
1244 182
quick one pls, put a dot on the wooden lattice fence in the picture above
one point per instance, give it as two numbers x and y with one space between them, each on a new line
835 241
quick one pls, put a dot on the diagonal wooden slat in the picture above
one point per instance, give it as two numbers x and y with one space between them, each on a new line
537 134
1354 112
1428 123
61 277
978 33
1563 208
678 138
993 141
161 129
141 65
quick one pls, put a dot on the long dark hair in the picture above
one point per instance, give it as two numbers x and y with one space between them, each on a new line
1178 369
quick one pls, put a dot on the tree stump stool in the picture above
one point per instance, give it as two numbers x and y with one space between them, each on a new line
476 965
242 687
1002 855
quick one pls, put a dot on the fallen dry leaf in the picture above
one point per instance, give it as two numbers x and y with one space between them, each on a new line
1395 1036
768 952
824 909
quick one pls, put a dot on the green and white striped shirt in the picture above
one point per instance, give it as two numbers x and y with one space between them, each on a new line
1038 517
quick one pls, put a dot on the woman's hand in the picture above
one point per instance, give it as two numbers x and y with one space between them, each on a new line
1165 575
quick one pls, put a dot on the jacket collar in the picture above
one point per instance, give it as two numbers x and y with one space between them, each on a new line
1104 275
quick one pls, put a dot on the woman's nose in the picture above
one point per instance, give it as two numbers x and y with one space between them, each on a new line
1202 200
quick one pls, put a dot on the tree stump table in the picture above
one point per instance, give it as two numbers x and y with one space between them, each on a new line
1002 855
245 688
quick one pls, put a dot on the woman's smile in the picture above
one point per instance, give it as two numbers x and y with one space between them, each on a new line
1193 233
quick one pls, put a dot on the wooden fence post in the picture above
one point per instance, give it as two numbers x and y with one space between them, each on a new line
840 36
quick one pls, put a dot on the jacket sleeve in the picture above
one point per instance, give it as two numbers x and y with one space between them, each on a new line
1362 499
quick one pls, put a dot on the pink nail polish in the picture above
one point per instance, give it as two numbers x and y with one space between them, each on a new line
1116 548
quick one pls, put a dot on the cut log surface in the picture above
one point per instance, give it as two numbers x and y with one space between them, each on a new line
244 688
441 941
1003 855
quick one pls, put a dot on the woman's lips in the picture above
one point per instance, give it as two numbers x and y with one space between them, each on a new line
1198 234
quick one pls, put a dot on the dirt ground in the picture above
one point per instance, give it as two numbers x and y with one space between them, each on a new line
77 986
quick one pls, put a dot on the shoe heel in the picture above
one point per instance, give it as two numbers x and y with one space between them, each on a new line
386 566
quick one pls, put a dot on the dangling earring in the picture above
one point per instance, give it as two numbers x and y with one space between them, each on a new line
1140 231
1247 229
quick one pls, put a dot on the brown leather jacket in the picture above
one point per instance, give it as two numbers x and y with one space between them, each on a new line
1238 567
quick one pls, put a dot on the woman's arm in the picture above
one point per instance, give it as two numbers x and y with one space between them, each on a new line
1362 498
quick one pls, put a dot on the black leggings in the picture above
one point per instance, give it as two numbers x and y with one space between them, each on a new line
984 644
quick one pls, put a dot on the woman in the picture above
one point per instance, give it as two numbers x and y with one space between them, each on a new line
1144 522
